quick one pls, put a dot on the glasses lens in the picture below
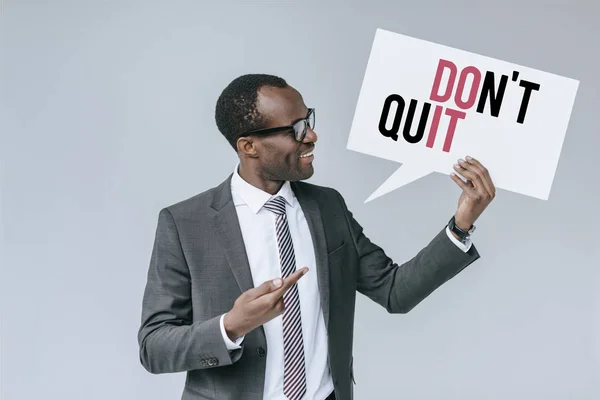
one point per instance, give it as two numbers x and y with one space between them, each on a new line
311 120
300 130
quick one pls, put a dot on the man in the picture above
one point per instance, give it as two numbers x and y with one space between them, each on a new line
214 304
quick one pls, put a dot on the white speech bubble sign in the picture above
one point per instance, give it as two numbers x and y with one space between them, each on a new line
511 118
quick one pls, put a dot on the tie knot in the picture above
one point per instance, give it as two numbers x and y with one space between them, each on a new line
276 205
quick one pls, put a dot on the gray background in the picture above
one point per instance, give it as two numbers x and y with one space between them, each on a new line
107 116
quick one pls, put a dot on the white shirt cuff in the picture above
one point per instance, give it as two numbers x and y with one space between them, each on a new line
230 345
463 246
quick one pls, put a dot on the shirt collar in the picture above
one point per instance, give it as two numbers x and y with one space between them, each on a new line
245 193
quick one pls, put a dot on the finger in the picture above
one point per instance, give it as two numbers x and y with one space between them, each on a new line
462 184
471 172
485 175
468 177
267 287
293 278
288 282
280 306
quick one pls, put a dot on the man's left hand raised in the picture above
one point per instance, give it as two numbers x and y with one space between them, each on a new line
477 192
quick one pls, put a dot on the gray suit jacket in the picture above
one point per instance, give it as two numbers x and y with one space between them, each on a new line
199 267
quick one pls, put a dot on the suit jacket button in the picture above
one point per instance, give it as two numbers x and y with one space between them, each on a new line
261 352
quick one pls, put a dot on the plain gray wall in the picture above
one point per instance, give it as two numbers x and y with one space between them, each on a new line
107 116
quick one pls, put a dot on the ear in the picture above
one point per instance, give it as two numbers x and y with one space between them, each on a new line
247 147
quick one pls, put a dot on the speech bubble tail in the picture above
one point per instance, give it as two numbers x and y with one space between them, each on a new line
402 176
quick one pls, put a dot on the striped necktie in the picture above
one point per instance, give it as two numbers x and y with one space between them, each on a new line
294 376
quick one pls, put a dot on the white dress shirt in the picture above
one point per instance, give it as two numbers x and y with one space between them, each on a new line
258 231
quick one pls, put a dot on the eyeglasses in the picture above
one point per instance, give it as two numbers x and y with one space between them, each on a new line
299 127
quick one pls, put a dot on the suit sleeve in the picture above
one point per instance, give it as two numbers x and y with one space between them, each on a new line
169 340
399 288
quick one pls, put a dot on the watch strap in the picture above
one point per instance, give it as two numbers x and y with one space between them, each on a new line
463 235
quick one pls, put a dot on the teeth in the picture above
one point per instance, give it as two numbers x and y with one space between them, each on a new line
310 153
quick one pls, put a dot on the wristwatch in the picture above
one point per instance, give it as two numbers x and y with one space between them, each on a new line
463 235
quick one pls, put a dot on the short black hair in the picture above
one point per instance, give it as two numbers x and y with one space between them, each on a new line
236 111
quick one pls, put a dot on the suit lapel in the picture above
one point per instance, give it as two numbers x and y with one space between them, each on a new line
312 213
227 226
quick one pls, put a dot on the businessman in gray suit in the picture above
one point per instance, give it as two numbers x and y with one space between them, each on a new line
252 284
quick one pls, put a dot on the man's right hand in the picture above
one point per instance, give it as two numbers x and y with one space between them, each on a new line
259 305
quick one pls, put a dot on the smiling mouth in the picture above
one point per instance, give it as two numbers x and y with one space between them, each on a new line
307 154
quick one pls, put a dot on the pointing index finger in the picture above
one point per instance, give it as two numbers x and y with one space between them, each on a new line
289 282
263 289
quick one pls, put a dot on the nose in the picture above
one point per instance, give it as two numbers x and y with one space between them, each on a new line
311 136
